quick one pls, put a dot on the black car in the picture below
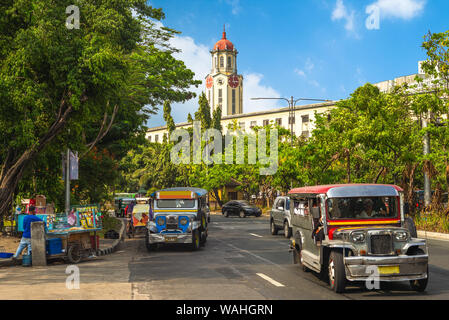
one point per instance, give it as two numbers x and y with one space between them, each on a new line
241 208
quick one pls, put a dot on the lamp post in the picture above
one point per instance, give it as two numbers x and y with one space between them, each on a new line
291 107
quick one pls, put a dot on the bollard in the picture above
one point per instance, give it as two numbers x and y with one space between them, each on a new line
38 248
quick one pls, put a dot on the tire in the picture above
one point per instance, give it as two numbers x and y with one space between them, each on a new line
226 214
150 246
297 259
74 254
242 214
203 239
287 230
421 284
409 224
337 274
274 229
195 240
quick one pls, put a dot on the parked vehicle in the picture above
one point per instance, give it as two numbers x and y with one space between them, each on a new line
350 232
241 208
180 216
280 216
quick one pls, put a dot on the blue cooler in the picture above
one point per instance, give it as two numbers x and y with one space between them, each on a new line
26 260
54 246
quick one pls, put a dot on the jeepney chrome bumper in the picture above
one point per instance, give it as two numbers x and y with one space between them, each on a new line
396 268
170 238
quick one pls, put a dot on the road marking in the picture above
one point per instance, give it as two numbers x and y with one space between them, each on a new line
273 282
256 235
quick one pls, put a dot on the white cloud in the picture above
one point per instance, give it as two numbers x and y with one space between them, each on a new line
235 6
300 73
253 88
340 12
403 9
197 58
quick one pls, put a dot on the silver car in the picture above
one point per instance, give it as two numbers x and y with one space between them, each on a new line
280 216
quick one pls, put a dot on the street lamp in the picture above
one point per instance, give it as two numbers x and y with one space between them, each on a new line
291 106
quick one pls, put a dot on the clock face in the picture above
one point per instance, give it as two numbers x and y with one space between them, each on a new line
209 82
234 81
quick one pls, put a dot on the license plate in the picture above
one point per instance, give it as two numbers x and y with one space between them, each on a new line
388 269
171 239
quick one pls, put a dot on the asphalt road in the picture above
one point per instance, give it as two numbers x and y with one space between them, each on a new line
242 260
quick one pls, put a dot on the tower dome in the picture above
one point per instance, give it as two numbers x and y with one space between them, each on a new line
224 44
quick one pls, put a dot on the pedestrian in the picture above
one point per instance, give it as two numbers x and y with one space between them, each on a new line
25 242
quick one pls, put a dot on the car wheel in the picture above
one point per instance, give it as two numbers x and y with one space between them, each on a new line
298 259
274 229
337 275
150 246
225 213
195 240
421 284
242 214
287 230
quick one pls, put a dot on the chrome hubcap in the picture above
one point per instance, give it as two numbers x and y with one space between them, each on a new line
331 272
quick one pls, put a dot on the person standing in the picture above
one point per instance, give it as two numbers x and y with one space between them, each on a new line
25 242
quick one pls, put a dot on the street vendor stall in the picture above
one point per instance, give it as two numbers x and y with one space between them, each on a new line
69 236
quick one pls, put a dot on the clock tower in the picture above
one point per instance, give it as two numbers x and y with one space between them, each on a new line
224 87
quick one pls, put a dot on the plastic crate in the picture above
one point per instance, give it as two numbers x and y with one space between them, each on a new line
5 255
54 246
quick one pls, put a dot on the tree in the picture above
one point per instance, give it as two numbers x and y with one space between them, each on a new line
58 85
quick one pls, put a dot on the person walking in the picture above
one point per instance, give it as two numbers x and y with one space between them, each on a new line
25 242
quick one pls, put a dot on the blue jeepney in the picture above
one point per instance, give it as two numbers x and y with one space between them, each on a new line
179 216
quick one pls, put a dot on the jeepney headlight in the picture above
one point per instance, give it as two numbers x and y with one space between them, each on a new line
358 237
160 221
401 235
183 221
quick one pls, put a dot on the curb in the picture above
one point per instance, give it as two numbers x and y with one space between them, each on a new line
433 235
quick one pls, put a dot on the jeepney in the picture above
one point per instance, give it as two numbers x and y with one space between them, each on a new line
356 232
180 216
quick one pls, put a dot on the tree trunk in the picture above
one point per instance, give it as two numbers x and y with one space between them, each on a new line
220 203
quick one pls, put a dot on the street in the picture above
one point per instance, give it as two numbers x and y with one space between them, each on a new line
241 261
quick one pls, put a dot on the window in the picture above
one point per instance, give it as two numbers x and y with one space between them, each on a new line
233 101
220 96
266 122
305 134
221 62
279 121
229 62
305 119
156 138
175 203
242 125
149 138
362 208
253 124
280 204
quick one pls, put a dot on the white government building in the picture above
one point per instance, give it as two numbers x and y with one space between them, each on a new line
224 89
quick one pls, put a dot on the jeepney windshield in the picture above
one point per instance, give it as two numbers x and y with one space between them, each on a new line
176 203
362 208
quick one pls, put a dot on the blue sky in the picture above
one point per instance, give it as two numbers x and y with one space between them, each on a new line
309 48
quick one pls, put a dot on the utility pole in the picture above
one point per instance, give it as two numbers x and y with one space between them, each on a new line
426 151
67 182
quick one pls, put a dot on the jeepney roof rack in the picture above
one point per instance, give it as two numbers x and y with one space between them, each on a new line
200 192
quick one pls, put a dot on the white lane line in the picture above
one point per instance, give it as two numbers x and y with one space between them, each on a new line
256 235
273 282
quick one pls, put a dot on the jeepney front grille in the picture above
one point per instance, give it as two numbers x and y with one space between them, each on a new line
172 223
381 244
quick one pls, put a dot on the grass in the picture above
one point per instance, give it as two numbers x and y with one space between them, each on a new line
109 223
433 221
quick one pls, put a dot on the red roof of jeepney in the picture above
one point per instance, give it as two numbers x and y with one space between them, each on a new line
326 188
